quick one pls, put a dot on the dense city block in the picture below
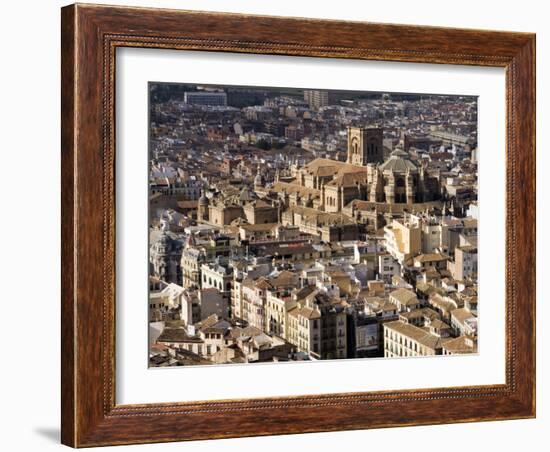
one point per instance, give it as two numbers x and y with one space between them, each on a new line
298 225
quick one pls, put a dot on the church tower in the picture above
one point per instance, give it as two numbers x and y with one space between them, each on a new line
389 189
365 145
422 184
203 208
377 186
258 180
409 187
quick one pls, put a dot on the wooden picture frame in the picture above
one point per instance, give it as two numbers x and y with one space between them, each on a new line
90 36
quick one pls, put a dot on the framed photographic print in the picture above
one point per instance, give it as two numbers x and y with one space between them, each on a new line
281 225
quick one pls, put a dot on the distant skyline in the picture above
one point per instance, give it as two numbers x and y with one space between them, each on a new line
177 88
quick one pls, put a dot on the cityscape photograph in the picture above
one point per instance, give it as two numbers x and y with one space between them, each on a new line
291 224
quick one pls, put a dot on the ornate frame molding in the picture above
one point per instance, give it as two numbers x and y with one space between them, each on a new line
90 36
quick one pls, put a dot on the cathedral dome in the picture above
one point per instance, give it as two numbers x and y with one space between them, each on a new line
203 200
399 162
258 180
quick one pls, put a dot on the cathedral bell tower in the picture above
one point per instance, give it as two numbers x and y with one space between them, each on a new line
202 208
365 145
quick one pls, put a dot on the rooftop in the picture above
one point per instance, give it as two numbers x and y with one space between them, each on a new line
399 162
419 335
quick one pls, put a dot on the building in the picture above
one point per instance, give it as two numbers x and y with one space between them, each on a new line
450 138
237 297
165 258
316 98
388 267
205 98
278 305
463 322
334 327
365 145
260 212
404 299
355 245
399 180
465 263
460 345
165 300
328 226
330 185
367 340
180 339
223 213
403 339
203 212
191 262
190 311
251 303
344 188
303 330
294 133
436 261
258 232
213 302
319 328
403 240
220 277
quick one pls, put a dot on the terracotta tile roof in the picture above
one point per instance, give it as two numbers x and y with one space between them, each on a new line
419 335
177 335
404 296
461 344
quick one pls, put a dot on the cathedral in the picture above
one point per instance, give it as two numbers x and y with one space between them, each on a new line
399 180
330 185
365 145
